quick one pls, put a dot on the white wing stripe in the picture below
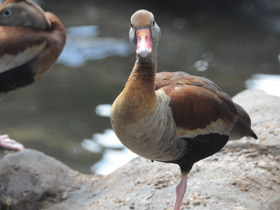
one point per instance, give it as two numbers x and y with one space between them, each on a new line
9 61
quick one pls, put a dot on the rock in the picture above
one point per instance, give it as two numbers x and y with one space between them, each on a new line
264 111
245 175
30 178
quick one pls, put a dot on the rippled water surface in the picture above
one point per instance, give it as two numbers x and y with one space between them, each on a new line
65 114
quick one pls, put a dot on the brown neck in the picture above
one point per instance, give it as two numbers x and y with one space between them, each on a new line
142 79
138 97
143 72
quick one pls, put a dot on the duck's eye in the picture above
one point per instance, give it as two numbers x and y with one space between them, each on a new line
7 12
154 23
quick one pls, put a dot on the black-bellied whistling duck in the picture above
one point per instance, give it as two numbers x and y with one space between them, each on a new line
30 42
172 117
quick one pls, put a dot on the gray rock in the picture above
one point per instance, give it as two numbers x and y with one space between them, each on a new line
29 178
245 175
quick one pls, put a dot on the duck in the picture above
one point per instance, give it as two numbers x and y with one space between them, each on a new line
172 117
30 42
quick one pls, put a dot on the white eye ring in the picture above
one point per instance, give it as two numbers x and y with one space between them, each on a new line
7 12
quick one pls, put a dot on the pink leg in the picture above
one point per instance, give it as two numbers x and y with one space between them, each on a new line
7 143
180 192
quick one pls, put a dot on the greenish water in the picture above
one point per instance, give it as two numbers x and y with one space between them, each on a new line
56 114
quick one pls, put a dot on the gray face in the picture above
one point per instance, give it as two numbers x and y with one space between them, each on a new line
144 19
25 14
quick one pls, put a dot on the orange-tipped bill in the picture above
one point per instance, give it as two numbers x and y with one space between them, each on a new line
144 42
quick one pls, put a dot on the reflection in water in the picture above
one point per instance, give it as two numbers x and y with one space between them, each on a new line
201 65
108 139
114 153
83 31
103 110
82 45
265 82
112 160
204 62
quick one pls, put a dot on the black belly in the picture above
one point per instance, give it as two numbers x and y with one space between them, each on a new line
16 78
200 147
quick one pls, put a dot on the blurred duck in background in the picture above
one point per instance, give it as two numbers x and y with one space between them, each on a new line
30 42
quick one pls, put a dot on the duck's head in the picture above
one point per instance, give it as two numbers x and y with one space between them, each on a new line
144 32
23 13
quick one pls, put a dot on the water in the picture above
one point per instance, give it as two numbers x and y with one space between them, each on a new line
83 45
65 114
265 82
